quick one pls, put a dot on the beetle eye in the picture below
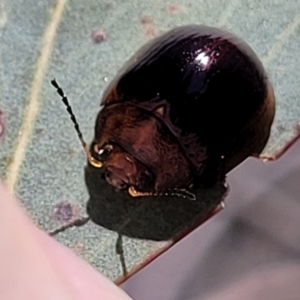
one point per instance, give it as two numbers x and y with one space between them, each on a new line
102 153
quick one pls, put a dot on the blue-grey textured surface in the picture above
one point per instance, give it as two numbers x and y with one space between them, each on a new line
40 156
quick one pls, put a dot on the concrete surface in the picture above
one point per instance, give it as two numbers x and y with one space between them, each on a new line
40 156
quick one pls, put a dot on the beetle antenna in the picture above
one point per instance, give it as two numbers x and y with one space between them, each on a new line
70 111
65 100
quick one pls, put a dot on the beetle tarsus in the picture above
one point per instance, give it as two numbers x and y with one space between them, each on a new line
134 193
76 223
183 193
95 163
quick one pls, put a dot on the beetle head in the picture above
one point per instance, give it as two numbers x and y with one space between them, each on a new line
137 152
121 169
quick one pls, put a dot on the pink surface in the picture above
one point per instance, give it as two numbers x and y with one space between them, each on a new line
35 266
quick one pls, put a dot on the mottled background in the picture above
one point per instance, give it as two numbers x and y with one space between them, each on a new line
83 44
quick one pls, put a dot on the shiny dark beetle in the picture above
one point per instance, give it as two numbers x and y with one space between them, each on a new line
186 109
189 107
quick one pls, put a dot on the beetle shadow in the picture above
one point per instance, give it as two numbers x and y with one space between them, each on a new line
154 218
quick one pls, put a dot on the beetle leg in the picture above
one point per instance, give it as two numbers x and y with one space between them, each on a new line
95 163
281 152
176 192
120 252
76 223
134 193
180 193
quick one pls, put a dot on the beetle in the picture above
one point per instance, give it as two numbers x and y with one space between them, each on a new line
186 109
